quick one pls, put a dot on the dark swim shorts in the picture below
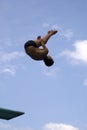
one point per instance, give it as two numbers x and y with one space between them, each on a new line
29 43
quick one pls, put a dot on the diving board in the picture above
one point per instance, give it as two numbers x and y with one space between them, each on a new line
7 114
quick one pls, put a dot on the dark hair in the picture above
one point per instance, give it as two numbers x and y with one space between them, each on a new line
48 61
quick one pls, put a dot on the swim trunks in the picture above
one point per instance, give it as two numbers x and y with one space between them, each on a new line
29 43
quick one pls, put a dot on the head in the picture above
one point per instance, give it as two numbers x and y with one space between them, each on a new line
48 61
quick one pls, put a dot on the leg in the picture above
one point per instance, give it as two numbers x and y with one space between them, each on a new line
45 38
48 35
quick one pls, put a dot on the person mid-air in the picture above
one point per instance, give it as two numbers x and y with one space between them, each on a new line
32 48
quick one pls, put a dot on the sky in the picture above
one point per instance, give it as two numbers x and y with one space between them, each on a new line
53 98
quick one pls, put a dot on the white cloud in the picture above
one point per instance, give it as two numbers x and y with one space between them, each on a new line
68 34
63 32
9 69
50 72
79 53
49 126
6 65
85 82
7 57
55 126
5 126
46 25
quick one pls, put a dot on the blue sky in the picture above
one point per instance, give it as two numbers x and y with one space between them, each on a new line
53 98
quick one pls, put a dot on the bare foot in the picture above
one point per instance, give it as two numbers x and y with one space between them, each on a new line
52 32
